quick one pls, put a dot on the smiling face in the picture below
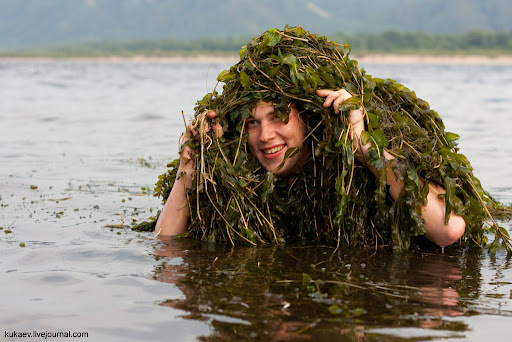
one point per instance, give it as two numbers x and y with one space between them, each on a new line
270 138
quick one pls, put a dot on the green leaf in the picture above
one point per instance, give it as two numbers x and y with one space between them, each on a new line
230 170
299 31
306 279
462 159
339 185
290 60
374 120
451 136
341 140
413 175
293 77
449 197
307 87
290 153
335 309
273 72
365 137
245 80
352 103
226 75
379 163
350 87
277 58
274 37
313 76
447 153
264 42
504 231
242 53
358 311
326 75
268 186
348 47
380 138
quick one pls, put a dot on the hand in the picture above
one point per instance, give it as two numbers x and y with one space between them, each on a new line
356 117
217 128
186 163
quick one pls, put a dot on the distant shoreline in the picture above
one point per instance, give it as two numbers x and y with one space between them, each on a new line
433 59
231 59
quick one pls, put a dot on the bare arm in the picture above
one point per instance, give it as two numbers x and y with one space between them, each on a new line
174 218
434 211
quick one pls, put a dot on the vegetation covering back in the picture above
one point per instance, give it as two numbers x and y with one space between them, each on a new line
334 198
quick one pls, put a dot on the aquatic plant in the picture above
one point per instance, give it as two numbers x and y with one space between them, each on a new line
334 198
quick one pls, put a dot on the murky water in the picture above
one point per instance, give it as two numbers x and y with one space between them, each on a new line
81 145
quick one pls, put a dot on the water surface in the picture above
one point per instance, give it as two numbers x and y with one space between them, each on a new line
82 144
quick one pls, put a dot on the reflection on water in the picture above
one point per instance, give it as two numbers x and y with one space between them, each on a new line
437 281
306 292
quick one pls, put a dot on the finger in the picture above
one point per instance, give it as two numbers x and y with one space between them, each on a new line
217 129
190 131
342 98
331 98
324 92
336 105
185 151
211 114
342 93
185 136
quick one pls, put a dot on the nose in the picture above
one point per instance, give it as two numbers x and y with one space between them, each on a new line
267 132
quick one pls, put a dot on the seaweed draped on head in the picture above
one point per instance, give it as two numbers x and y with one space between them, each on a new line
334 198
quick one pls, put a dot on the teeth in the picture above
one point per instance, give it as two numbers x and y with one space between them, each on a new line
273 150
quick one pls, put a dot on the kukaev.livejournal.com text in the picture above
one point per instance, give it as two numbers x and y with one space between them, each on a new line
44 334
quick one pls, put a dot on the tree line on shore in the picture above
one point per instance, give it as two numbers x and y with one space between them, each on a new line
396 42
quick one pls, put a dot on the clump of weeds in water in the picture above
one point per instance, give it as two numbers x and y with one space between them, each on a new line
334 199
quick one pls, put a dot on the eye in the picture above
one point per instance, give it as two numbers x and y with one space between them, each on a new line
276 121
251 122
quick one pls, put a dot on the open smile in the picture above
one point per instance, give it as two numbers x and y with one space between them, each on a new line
273 152
273 149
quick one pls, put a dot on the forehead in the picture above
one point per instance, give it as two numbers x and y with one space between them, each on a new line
264 108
